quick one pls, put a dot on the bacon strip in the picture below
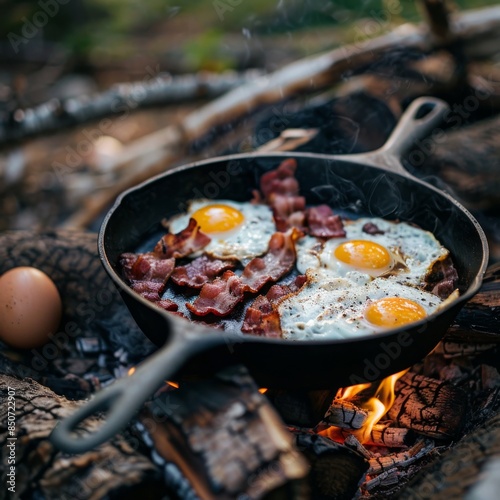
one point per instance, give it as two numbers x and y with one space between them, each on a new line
442 279
222 295
187 241
146 267
200 271
323 223
280 180
261 318
219 297
371 228
288 211
278 260
280 189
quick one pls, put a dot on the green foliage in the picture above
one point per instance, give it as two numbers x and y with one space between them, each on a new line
118 27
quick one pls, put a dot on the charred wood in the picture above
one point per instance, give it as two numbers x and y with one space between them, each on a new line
464 158
336 470
458 469
223 439
479 319
345 414
430 407
114 470
300 408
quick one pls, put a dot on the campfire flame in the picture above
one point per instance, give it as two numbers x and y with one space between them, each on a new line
376 406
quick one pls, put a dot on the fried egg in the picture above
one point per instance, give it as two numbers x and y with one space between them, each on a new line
238 230
404 253
329 307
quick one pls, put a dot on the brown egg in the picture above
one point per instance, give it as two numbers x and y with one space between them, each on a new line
30 307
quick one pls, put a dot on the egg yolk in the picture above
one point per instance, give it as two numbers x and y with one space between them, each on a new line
217 218
364 254
393 312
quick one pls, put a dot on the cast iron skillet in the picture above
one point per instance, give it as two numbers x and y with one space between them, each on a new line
373 184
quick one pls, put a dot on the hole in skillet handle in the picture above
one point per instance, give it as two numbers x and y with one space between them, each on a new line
424 110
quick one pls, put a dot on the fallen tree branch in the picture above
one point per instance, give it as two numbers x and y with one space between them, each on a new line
155 153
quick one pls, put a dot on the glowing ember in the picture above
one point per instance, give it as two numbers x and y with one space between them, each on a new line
262 390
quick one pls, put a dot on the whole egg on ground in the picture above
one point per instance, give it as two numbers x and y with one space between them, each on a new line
238 230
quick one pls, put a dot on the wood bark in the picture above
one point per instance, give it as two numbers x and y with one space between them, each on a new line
336 470
114 470
462 468
226 440
429 407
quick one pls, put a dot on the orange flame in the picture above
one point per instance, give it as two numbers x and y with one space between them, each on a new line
376 406
262 390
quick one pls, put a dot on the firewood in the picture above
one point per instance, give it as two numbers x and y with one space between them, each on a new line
479 319
152 155
460 468
336 470
391 437
345 414
465 157
91 303
299 407
224 439
42 471
400 460
427 406
157 89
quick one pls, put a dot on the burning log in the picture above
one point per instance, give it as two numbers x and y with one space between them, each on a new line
336 470
345 414
42 471
427 406
391 437
220 438
400 460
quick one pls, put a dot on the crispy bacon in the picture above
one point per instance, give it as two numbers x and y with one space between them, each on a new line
280 191
261 318
278 260
146 267
288 211
280 180
187 241
371 228
223 294
323 223
167 304
261 323
218 297
442 279
200 271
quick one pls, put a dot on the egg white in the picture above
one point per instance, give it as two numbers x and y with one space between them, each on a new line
416 248
329 307
250 239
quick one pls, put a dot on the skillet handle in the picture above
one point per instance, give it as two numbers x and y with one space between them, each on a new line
421 117
124 398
